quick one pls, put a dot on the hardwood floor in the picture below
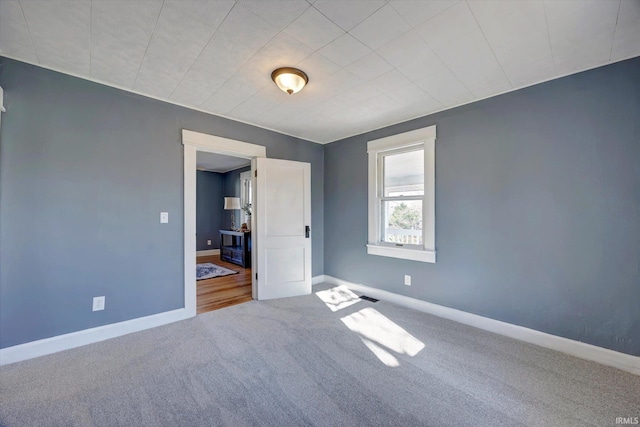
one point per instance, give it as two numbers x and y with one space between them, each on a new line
224 291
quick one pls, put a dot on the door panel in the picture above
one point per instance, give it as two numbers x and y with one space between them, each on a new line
283 210
284 265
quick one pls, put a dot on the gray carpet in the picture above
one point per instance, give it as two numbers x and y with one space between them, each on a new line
294 362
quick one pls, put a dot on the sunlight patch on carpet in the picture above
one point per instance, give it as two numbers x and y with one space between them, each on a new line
338 298
379 333
382 354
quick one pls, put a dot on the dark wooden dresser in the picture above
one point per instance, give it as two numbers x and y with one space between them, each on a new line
235 247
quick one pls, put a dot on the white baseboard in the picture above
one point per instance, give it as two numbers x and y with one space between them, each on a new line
623 361
58 343
582 350
45 346
208 252
315 280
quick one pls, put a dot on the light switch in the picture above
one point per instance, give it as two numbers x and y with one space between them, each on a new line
98 303
164 217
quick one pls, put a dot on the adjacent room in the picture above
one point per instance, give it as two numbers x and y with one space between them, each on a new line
297 212
223 262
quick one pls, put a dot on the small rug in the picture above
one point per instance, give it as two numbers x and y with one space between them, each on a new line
209 270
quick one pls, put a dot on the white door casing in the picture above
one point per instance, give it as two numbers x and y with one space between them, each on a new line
282 218
192 143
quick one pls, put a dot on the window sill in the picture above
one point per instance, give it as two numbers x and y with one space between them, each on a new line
402 253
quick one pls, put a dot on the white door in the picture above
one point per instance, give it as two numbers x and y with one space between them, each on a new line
282 218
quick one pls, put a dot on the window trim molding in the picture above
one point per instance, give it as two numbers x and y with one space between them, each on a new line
427 137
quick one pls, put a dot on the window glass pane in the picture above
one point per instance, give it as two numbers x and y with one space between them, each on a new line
245 197
402 222
404 174
249 194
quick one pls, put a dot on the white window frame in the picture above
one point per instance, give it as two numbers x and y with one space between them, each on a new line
2 109
244 195
376 149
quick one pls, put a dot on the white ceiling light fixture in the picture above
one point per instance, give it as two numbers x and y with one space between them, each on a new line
290 80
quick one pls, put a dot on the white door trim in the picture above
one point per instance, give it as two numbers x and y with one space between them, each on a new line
220 145
192 143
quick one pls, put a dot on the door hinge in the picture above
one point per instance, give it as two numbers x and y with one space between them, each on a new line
256 276
256 173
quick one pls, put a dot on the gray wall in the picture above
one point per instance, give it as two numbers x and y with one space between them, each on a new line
209 212
537 209
85 171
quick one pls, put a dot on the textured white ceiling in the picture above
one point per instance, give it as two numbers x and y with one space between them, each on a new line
370 63
220 163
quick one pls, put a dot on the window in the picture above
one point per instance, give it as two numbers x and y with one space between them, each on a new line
246 197
402 195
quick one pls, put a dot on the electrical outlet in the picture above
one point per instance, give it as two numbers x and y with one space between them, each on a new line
98 303
164 217
209 242
407 280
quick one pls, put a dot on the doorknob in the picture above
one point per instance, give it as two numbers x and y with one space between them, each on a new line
307 229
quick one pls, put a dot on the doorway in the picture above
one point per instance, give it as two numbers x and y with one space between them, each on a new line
194 143
223 235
